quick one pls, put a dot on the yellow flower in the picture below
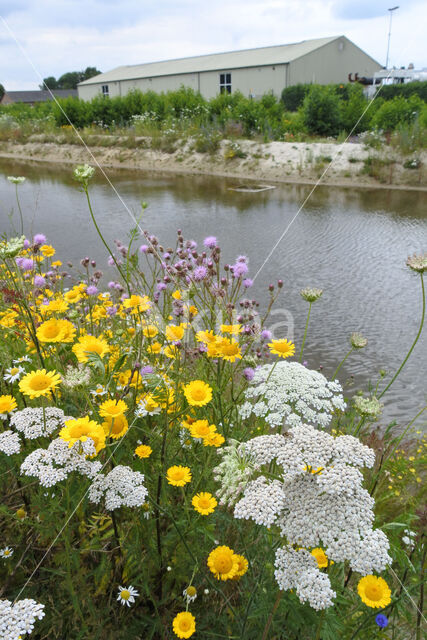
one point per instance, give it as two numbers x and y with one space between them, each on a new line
171 351
39 383
223 563
374 592
198 393
229 350
206 336
213 440
176 295
282 348
54 306
204 503
201 429
150 331
243 566
184 624
234 329
74 295
175 332
137 304
90 344
56 263
143 451
54 330
112 408
178 476
321 557
47 250
115 427
7 404
80 429
156 347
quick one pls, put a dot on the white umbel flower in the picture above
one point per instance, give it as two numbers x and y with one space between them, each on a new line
120 487
34 423
9 442
127 595
289 393
54 464
18 619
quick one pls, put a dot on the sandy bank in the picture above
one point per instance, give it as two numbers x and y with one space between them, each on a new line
348 164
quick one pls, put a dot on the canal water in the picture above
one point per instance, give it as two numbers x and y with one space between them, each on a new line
352 243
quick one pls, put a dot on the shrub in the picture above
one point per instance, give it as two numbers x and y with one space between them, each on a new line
293 97
321 111
393 113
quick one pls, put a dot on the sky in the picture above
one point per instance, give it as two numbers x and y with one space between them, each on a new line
40 38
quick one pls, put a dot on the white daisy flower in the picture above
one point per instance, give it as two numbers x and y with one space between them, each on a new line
13 374
190 594
127 595
22 359
98 392
7 552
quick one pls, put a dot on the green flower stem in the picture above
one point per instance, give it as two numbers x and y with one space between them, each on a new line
20 210
104 242
413 344
305 332
341 364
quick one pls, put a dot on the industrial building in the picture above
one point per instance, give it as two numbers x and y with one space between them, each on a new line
253 72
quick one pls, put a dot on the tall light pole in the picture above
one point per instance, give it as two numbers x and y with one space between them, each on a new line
389 34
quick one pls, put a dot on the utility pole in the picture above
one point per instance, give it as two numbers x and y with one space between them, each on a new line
389 34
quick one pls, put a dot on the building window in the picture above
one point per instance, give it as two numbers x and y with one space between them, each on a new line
105 92
225 82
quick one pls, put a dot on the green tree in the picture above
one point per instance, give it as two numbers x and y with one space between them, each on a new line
2 91
49 83
321 111
89 72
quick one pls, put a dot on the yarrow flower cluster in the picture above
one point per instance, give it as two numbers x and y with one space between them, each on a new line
318 500
54 464
34 423
120 487
370 408
288 392
18 619
9 442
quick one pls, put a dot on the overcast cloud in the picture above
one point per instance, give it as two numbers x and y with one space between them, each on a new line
66 35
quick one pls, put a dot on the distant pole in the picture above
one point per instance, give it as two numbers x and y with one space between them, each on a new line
389 34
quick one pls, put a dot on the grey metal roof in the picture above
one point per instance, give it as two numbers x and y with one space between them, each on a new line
39 96
230 60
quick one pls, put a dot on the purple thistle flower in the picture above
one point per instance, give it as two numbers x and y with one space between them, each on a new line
242 259
381 620
27 264
305 363
111 311
111 284
39 281
266 334
248 373
91 290
247 283
146 370
239 269
26 243
200 273
166 255
210 242
39 239
111 261
161 286
144 248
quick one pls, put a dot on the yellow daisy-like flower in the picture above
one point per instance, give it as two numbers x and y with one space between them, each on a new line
229 350
137 304
201 429
74 295
143 451
175 332
206 336
171 351
184 624
176 295
156 347
204 503
81 429
198 393
115 427
321 557
178 476
374 592
47 250
112 408
213 440
223 563
54 306
54 330
90 344
282 348
150 331
39 383
7 404
243 566
234 329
